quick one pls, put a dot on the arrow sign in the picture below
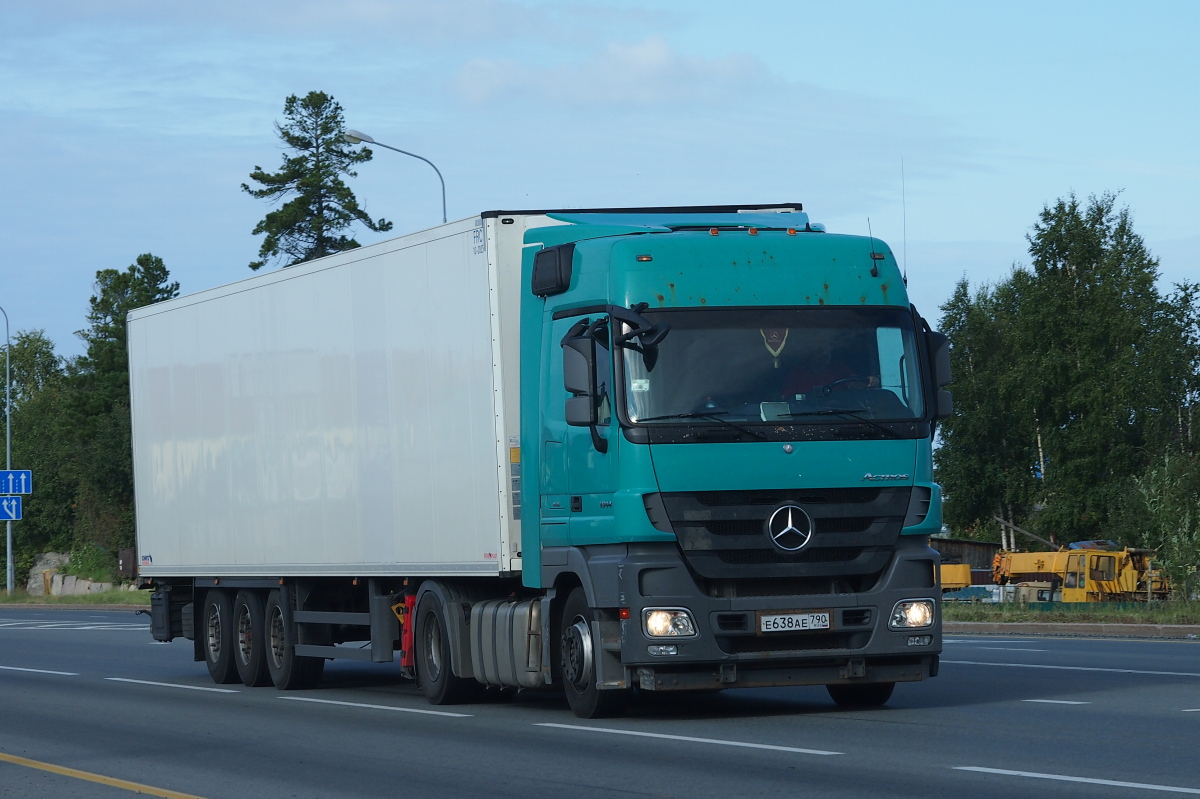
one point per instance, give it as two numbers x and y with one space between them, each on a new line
10 509
16 481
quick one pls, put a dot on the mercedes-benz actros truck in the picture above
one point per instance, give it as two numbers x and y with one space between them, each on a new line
598 451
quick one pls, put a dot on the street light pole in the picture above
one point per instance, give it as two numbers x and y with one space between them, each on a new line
357 137
8 582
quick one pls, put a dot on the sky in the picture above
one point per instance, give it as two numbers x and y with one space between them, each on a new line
128 126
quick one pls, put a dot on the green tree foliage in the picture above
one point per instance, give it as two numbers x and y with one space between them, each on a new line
312 223
39 444
98 403
101 377
1170 510
1071 378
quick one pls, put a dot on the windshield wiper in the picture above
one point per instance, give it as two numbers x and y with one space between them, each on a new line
711 415
848 413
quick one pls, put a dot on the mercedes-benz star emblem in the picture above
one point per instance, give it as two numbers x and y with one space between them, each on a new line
790 528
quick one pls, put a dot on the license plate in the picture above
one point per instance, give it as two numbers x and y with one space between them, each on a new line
793 622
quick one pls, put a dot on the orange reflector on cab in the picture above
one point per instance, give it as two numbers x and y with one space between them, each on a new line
791 231
712 231
624 613
753 231
645 258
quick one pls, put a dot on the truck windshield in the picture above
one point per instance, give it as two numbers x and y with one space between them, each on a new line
795 365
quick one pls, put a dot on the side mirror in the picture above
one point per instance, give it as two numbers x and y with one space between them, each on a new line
579 369
581 412
945 404
939 355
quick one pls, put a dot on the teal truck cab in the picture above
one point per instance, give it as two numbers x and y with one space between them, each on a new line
727 468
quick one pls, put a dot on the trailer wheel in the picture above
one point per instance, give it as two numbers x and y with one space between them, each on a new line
578 663
434 672
217 637
249 651
288 672
872 694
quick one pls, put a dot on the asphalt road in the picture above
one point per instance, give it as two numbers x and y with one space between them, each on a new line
89 691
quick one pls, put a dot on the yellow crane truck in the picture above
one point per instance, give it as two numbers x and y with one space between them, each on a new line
1086 572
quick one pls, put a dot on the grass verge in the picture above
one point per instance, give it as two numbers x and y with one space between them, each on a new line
1176 612
113 597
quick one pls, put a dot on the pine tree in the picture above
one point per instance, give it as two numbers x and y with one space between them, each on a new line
312 223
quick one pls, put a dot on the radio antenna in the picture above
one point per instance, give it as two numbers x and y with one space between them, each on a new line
904 217
874 256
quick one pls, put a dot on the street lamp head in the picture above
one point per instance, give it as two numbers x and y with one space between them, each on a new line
356 137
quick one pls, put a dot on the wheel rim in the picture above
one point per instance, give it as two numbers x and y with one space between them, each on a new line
213 633
577 654
245 634
275 638
433 647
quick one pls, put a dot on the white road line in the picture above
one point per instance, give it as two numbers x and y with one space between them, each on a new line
1074 668
176 685
1192 710
1009 649
1056 701
377 707
690 739
41 671
1089 780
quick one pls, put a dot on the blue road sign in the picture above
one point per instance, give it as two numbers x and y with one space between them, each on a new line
10 509
16 481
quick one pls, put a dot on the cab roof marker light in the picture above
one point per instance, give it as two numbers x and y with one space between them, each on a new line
712 231
753 231
645 258
791 231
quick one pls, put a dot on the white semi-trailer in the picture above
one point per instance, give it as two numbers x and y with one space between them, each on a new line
526 449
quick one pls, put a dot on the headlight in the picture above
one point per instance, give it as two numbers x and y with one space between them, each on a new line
912 613
668 622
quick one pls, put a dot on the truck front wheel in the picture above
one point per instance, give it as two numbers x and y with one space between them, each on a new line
218 636
873 694
288 672
434 672
578 663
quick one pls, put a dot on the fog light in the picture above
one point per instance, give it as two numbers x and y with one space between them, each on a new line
912 613
668 623
920 640
663 650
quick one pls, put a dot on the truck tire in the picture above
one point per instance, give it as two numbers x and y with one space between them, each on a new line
217 637
249 651
288 672
872 694
578 663
434 673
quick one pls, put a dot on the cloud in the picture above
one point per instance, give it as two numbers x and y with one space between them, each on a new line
640 74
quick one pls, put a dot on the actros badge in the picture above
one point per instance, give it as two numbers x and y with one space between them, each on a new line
790 528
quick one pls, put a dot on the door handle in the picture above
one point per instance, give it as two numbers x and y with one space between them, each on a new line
576 504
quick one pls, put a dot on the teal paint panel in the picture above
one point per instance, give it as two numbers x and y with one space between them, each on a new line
765 465
695 269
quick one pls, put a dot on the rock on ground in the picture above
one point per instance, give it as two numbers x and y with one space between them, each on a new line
48 562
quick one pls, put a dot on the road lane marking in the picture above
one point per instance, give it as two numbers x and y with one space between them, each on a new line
41 671
1056 701
136 787
1074 668
1192 710
688 738
376 707
176 685
1009 649
1089 780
